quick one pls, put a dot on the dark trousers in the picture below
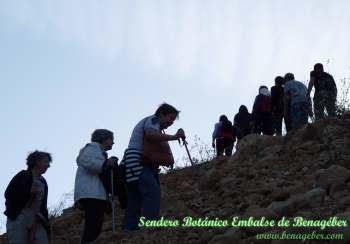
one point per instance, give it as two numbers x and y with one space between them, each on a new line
277 123
263 123
325 100
224 145
146 197
94 211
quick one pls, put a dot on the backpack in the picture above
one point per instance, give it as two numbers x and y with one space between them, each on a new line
118 182
226 129
262 104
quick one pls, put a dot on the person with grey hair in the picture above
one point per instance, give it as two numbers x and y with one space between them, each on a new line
89 191
26 202
297 104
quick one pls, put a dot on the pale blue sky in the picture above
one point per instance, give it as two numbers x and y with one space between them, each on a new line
68 67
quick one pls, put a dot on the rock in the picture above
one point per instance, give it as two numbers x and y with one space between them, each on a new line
344 202
280 195
282 208
337 190
209 180
333 175
345 231
313 198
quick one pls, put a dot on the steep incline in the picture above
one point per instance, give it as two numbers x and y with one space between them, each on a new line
306 173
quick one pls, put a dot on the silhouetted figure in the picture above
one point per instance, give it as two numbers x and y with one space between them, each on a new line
262 115
243 122
223 136
277 105
325 92
297 104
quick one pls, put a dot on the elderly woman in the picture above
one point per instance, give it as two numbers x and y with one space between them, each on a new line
89 191
142 164
26 202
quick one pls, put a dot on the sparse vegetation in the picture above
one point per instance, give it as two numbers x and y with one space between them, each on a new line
66 201
343 103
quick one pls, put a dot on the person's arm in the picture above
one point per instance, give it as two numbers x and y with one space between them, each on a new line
215 134
311 84
155 135
286 106
254 107
17 187
91 159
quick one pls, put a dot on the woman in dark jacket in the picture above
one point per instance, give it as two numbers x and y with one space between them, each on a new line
26 202
243 122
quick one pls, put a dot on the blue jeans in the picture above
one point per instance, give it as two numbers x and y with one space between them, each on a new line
145 197
298 114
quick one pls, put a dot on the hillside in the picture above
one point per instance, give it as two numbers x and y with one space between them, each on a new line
306 173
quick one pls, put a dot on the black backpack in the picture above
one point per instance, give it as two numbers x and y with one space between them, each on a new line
119 186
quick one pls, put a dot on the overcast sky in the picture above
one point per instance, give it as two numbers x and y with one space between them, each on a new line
69 67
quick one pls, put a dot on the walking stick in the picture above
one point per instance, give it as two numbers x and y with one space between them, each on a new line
112 201
188 152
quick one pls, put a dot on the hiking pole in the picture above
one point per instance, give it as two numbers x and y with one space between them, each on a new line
188 152
112 201
112 198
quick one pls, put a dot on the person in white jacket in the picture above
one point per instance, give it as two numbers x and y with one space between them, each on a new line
89 192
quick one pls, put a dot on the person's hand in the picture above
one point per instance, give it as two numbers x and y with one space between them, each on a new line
180 134
112 161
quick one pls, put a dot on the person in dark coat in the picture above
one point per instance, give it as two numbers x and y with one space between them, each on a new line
277 105
242 122
262 115
26 202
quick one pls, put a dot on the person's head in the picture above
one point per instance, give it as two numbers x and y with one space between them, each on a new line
39 161
264 90
223 118
243 109
288 77
104 137
279 81
166 115
318 67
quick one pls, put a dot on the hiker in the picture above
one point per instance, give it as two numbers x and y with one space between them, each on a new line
89 191
242 122
26 202
277 105
262 112
297 103
223 137
325 92
148 149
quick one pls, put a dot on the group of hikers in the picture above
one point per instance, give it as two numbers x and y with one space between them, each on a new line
287 100
135 179
98 179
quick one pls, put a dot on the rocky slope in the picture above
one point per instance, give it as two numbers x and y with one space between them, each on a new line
306 173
